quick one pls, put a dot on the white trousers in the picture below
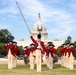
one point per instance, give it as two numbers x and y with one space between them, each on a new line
38 60
50 61
71 60
61 60
32 60
10 61
15 62
47 61
67 60
64 60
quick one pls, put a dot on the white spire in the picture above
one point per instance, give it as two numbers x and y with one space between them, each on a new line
39 18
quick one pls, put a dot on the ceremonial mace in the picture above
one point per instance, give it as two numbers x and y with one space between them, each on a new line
23 17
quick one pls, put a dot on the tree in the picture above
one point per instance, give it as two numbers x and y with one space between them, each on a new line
75 44
58 50
5 35
20 49
68 39
2 52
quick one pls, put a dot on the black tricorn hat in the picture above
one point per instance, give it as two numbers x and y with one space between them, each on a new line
71 43
63 44
32 44
15 42
39 36
49 43
25 46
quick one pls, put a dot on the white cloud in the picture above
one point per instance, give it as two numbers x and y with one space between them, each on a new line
63 20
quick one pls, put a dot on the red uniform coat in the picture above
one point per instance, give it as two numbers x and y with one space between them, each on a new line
32 49
72 50
27 52
62 51
36 44
46 50
24 53
11 47
16 50
52 51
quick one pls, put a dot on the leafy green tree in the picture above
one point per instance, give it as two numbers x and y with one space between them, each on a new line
58 51
5 35
20 50
75 44
68 39
2 52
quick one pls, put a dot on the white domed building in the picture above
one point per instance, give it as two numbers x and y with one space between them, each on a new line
39 28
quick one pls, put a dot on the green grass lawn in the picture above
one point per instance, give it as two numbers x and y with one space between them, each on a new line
21 69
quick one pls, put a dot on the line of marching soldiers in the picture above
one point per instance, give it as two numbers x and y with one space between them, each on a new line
12 50
36 52
67 55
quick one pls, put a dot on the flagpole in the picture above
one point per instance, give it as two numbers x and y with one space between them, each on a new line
23 17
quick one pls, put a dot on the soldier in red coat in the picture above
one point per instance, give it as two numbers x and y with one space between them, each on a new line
51 53
39 51
71 56
25 55
16 52
16 49
72 49
67 50
32 55
10 54
62 54
47 48
47 53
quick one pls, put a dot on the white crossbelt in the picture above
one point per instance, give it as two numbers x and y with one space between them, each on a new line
9 52
39 45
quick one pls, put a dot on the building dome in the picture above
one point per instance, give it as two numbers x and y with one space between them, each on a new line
39 28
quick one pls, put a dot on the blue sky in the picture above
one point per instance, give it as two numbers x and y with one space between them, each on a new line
58 16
